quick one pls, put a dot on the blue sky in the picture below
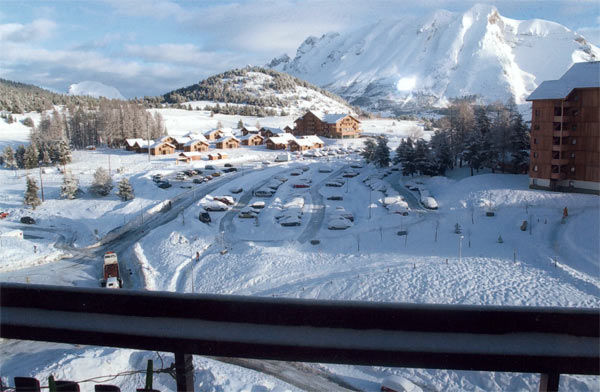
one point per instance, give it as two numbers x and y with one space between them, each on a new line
148 47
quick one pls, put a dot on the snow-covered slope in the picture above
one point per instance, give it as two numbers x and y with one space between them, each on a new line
94 89
260 89
425 61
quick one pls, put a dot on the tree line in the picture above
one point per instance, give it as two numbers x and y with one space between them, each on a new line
493 137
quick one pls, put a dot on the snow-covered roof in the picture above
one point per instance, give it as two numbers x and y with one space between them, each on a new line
580 75
314 139
212 131
181 139
274 131
142 142
225 138
303 142
194 141
131 142
251 129
159 143
250 135
283 138
190 154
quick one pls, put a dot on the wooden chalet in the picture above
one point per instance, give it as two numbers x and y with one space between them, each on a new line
279 142
335 126
213 134
222 155
227 142
213 156
267 132
141 146
196 145
130 144
188 157
162 148
288 129
314 140
249 130
252 139
305 143
169 139
180 142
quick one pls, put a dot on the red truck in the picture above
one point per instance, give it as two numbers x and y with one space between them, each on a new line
112 279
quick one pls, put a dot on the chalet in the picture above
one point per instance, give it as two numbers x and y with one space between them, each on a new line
252 139
162 148
279 142
196 145
336 126
187 157
141 146
213 134
300 145
249 130
267 132
180 141
288 129
315 140
227 142
169 139
222 155
565 131
130 144
213 157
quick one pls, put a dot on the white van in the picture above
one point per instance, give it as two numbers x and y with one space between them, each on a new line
283 157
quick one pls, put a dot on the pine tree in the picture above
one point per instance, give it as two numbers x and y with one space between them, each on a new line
63 153
31 194
70 186
125 190
9 158
423 161
382 152
442 154
219 125
472 153
519 140
368 152
20 156
30 159
46 158
240 124
102 184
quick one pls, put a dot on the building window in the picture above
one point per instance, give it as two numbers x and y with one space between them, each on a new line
536 127
535 168
573 141
572 169
572 155
535 154
557 111
574 127
534 141
537 112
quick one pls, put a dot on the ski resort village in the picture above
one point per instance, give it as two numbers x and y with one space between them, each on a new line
303 226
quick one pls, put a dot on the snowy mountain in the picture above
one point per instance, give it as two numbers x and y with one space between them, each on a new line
255 90
424 62
94 89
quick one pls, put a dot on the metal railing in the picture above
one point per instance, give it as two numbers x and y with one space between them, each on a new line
549 341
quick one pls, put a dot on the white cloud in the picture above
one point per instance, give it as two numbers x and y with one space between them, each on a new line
39 29
178 54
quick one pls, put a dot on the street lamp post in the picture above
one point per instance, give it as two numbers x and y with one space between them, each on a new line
460 248
41 181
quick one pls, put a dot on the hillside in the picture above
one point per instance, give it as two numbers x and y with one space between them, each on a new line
256 90
423 62
18 97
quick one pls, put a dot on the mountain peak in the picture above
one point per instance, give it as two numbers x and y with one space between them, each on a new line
94 89
444 55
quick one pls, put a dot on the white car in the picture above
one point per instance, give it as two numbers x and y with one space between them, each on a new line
290 220
429 202
325 170
339 223
258 205
263 193
215 206
247 213
341 211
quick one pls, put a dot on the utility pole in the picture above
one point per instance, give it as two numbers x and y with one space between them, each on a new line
148 138
109 164
460 248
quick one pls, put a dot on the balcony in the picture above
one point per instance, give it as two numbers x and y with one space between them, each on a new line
542 340
559 147
559 161
558 176
563 133
562 119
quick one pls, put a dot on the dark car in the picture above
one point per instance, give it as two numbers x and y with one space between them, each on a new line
209 167
335 197
230 169
164 184
198 181
204 217
190 173
27 220
228 165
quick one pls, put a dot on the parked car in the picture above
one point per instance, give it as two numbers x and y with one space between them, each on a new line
341 211
258 204
334 183
429 202
335 197
204 217
263 193
296 173
325 170
225 199
199 180
157 177
216 174
230 169
236 190
396 383
247 214
228 165
339 223
3 215
27 220
164 184
356 165
215 206
291 220
301 185
209 167
190 173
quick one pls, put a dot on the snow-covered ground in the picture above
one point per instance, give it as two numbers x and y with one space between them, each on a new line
554 264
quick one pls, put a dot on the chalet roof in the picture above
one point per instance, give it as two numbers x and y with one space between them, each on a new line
251 129
142 142
158 143
194 141
166 137
225 138
181 139
303 142
250 135
580 75
131 142
212 131
284 138
190 154
275 131
314 139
